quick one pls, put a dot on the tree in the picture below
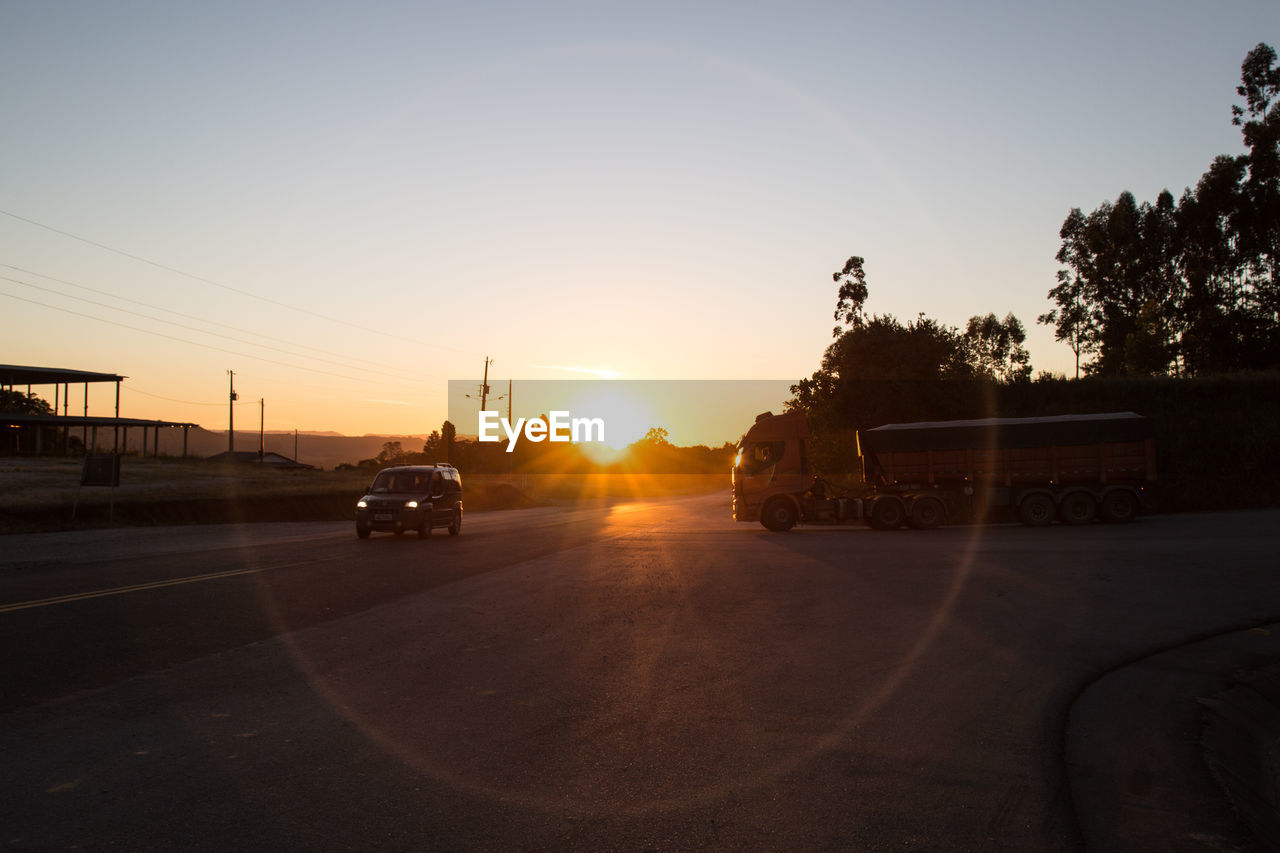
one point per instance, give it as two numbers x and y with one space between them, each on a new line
448 434
852 294
996 348
391 454
1258 225
1118 259
23 404
1183 287
656 437
1146 348
432 444
1208 314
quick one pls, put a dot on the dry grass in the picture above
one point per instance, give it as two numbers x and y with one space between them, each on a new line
40 494
25 483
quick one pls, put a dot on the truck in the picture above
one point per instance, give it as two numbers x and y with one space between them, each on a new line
1069 468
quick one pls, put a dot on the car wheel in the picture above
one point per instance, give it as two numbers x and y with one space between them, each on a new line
455 526
362 530
424 529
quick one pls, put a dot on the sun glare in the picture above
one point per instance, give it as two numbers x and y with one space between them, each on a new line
627 419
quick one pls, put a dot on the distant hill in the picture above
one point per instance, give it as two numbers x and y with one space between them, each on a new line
320 449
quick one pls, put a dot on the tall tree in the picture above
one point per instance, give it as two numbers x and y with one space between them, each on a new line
852 295
1190 286
1258 225
996 348
448 436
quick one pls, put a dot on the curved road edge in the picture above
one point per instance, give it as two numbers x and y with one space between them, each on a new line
1151 745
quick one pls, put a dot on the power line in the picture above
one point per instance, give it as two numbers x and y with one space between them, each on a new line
172 323
346 358
169 399
218 284
355 379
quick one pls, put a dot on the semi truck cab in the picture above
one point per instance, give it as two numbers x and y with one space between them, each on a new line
771 467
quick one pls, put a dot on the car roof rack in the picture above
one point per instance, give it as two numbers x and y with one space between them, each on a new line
444 465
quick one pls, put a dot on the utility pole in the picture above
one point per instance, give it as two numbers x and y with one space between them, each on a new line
262 428
231 417
484 387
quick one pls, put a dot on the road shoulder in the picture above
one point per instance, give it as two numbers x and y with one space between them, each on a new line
1136 743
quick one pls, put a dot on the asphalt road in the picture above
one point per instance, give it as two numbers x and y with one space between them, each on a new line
636 677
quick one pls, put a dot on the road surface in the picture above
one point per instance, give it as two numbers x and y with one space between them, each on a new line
645 676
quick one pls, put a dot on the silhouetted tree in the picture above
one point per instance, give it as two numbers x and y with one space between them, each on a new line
1186 287
448 434
852 294
432 443
996 347
391 454
23 404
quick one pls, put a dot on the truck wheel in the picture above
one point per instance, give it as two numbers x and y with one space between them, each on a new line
779 516
1119 506
1078 508
926 514
1036 510
887 514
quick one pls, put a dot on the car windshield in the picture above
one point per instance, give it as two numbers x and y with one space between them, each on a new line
402 481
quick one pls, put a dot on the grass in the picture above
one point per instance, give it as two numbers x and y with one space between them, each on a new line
41 494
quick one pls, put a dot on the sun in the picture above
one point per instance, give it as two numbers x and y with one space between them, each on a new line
627 418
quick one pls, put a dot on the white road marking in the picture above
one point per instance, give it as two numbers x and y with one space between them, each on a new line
139 587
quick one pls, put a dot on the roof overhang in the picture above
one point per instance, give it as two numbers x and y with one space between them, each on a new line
15 374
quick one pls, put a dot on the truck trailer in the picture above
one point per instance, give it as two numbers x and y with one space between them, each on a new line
1071 468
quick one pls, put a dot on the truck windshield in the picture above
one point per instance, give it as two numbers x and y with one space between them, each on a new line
755 456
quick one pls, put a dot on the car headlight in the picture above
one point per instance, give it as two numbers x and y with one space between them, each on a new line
410 504
361 504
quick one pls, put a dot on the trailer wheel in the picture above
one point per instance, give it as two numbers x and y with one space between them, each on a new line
779 515
926 514
1119 506
1036 510
887 513
1078 508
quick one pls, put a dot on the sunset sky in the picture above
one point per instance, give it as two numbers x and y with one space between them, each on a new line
351 204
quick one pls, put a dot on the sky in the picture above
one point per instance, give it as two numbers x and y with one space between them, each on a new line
349 205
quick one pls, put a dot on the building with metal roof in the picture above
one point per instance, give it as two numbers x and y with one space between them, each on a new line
26 432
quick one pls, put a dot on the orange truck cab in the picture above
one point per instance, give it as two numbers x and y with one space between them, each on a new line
772 468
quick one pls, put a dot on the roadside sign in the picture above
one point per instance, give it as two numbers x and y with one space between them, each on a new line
101 470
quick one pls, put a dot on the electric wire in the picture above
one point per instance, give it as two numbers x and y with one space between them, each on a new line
169 399
204 345
179 325
218 284
345 358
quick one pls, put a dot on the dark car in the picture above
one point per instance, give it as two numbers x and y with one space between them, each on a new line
412 497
